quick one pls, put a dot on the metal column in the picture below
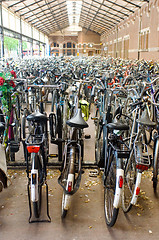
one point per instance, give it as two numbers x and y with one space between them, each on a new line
20 40
1 32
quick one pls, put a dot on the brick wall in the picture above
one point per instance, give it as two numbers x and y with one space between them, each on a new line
139 33
86 43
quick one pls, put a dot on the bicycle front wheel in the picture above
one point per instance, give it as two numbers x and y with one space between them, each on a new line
130 174
111 212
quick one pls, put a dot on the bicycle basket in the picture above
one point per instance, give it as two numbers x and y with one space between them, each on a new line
142 156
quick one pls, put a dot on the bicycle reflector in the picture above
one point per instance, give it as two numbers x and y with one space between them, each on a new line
33 149
69 186
137 191
120 181
142 167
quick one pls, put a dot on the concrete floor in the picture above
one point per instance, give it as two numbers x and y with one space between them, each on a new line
85 219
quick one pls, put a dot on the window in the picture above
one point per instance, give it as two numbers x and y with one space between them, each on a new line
126 49
84 45
115 50
73 45
90 45
57 45
69 52
144 40
69 45
120 49
54 44
64 45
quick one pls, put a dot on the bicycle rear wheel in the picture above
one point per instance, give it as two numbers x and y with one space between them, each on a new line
111 212
64 211
155 165
36 184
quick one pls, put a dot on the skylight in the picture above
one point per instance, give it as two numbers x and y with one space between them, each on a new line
74 11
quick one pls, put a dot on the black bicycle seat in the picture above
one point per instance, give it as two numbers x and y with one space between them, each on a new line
118 126
37 117
77 121
145 120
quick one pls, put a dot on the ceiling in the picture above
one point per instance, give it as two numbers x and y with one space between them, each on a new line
54 15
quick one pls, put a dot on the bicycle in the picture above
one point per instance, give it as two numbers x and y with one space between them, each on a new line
73 157
36 145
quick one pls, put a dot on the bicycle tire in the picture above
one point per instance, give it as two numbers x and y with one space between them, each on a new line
148 136
25 114
111 213
129 183
37 204
59 132
99 146
64 211
12 156
155 165
53 100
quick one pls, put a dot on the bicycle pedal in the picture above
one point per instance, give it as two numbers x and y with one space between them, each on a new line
57 140
94 118
53 155
87 136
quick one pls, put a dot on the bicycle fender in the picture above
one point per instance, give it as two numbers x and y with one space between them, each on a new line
118 190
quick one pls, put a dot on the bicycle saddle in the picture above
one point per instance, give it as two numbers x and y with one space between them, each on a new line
77 121
118 126
37 117
145 120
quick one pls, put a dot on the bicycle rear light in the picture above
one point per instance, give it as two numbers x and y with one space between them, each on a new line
69 186
142 167
120 181
89 87
33 149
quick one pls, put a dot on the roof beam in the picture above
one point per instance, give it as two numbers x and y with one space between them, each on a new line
28 6
105 11
12 5
104 15
53 15
95 15
105 24
135 5
43 23
116 4
36 8
95 26
48 18
112 8
40 16
43 10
